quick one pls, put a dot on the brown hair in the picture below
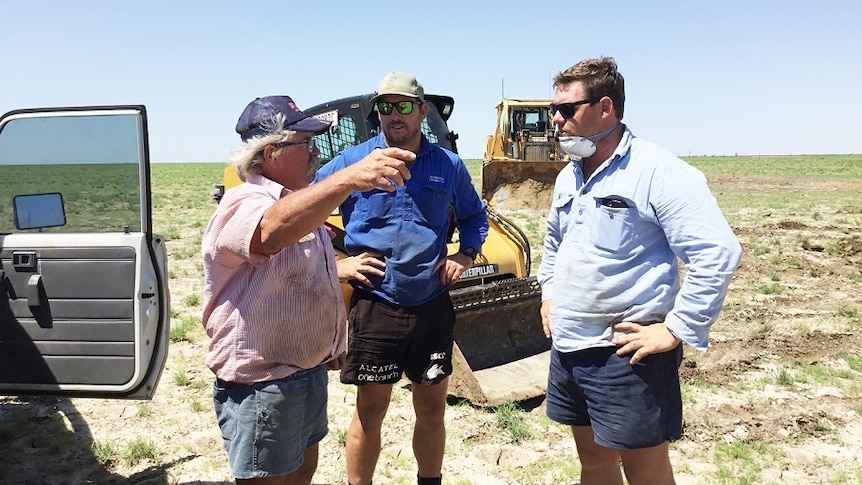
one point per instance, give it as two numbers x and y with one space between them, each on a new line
599 77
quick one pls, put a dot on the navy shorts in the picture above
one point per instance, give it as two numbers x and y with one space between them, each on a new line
386 340
628 406
266 427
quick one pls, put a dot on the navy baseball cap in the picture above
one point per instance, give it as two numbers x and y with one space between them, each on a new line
258 118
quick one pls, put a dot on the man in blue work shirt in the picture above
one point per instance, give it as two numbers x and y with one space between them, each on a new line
401 317
622 215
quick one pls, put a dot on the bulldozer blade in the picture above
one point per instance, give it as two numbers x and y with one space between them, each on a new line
511 184
500 352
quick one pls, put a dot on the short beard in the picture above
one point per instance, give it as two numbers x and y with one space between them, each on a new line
410 136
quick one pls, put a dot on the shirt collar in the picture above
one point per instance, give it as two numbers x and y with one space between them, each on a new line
272 187
625 144
621 151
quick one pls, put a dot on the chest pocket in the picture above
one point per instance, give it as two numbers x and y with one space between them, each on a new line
374 209
612 222
431 205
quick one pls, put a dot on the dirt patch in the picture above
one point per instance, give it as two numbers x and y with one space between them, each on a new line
727 361
529 194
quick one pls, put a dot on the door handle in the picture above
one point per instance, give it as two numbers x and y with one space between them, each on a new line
24 261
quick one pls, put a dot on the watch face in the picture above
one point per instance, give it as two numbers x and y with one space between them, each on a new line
468 251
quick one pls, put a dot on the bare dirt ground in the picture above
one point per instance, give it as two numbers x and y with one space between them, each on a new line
776 398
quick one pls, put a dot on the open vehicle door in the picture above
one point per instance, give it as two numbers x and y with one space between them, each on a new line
84 301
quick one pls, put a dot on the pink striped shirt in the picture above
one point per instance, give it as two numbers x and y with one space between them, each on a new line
267 316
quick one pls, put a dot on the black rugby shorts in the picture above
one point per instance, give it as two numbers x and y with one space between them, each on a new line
386 340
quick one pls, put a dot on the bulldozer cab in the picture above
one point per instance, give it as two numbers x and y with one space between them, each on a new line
522 157
532 140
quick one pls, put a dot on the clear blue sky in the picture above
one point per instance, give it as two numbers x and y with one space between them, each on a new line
703 78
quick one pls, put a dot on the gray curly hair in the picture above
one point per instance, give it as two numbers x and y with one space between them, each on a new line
248 158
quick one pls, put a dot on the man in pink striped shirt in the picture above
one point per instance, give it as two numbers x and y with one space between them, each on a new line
273 306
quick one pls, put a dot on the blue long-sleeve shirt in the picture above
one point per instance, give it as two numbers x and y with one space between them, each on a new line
610 253
408 226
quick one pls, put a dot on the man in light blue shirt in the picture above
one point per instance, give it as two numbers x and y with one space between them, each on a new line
624 212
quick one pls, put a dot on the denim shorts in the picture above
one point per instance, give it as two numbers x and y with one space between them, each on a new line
628 406
387 340
267 426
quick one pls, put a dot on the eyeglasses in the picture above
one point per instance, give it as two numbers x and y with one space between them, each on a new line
310 144
403 107
568 110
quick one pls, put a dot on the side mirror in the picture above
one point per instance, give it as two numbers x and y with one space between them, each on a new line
36 211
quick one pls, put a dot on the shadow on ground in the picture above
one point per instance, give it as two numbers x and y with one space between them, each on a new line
45 441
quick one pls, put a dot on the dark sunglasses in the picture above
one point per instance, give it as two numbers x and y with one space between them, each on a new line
310 144
403 107
567 110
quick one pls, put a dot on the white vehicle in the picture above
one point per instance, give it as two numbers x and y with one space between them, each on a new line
84 300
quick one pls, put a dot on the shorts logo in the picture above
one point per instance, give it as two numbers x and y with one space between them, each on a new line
433 371
378 373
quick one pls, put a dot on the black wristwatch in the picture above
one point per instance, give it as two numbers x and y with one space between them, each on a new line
469 252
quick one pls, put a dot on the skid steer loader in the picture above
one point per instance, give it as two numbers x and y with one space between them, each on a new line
500 352
522 157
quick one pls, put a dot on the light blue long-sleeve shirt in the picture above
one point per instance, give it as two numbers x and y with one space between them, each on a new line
610 254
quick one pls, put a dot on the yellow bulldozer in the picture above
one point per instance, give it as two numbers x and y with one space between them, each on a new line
500 352
522 158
